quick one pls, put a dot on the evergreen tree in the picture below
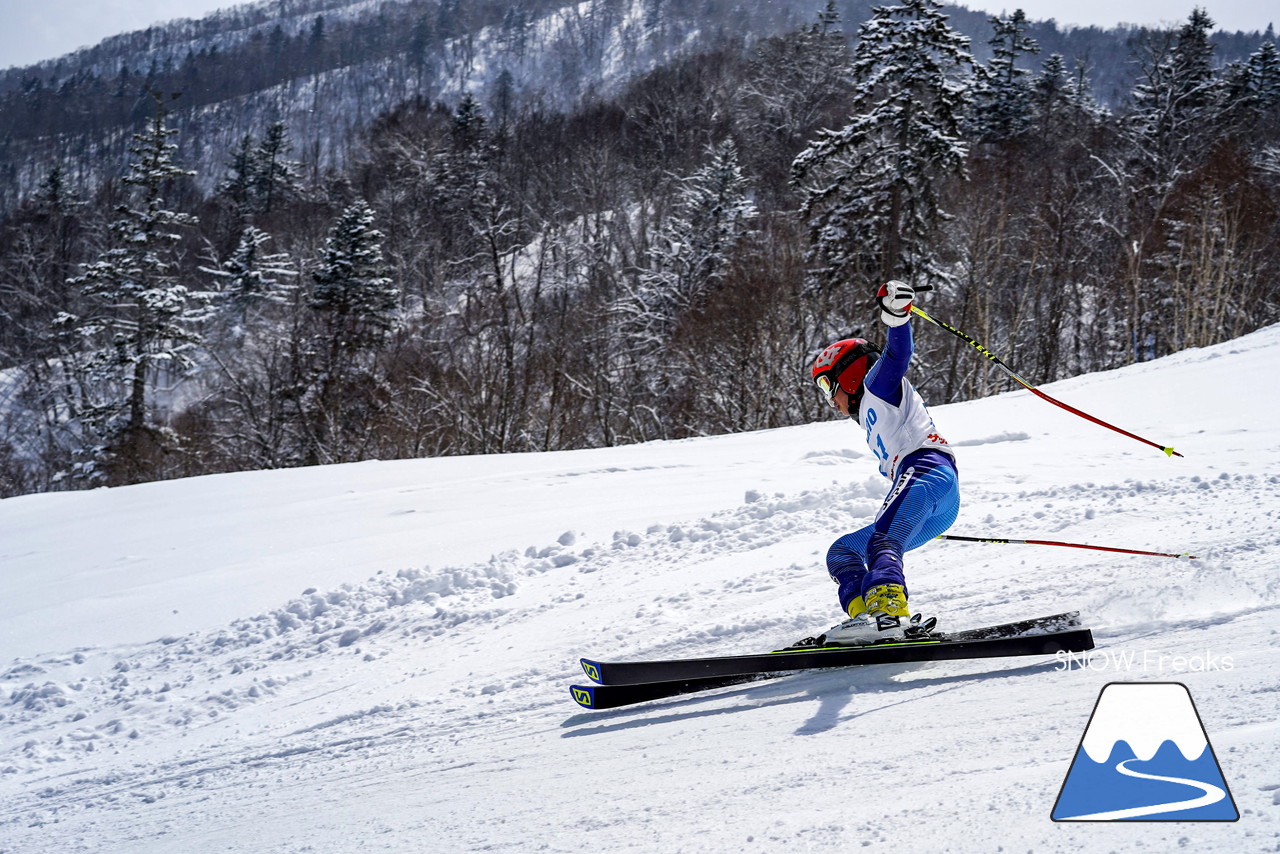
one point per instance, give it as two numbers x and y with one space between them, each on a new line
53 195
275 178
469 131
872 188
357 302
351 288
242 170
502 99
1253 89
317 41
1002 91
1264 76
465 192
38 257
1177 102
145 323
1061 102
260 176
251 276
829 18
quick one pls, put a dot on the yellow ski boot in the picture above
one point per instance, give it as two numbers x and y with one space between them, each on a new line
883 614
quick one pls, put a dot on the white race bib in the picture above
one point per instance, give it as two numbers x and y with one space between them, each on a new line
895 431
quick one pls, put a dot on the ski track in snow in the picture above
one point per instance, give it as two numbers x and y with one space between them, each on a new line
427 709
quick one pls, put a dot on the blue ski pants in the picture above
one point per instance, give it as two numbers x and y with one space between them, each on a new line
922 504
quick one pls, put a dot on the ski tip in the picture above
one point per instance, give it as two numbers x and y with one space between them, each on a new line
592 669
583 695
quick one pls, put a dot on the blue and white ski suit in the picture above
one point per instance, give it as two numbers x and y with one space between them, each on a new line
925 497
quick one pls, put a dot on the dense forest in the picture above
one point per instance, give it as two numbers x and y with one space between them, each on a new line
499 272
329 68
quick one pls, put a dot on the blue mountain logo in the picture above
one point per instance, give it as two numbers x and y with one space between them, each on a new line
1145 757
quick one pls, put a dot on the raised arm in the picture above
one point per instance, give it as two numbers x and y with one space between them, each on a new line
885 378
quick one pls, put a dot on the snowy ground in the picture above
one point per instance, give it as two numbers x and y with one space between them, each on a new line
376 657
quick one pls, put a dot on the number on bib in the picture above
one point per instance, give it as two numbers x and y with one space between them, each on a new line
877 446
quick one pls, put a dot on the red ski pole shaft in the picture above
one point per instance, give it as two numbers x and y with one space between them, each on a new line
1184 555
1170 452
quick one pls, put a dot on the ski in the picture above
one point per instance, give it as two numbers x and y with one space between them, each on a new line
809 649
598 697
711 673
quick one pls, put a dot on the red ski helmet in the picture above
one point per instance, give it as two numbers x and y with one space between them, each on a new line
844 364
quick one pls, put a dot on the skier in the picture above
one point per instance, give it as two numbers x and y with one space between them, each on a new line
872 388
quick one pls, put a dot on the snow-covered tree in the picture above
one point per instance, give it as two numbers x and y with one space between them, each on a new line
690 255
872 188
260 175
38 257
1178 98
143 323
357 303
251 276
662 310
1253 89
795 85
1190 226
1061 100
351 288
1002 91
276 177
1263 69
238 184
712 214
464 194
462 172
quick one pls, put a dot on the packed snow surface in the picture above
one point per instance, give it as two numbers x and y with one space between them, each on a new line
376 657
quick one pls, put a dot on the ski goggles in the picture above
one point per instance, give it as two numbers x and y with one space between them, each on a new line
828 388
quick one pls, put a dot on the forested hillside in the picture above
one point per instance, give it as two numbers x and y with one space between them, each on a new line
329 68
649 245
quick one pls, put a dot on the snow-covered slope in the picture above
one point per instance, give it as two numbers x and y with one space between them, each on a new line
376 657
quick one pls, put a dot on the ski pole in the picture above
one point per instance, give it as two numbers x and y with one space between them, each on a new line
1184 555
916 310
